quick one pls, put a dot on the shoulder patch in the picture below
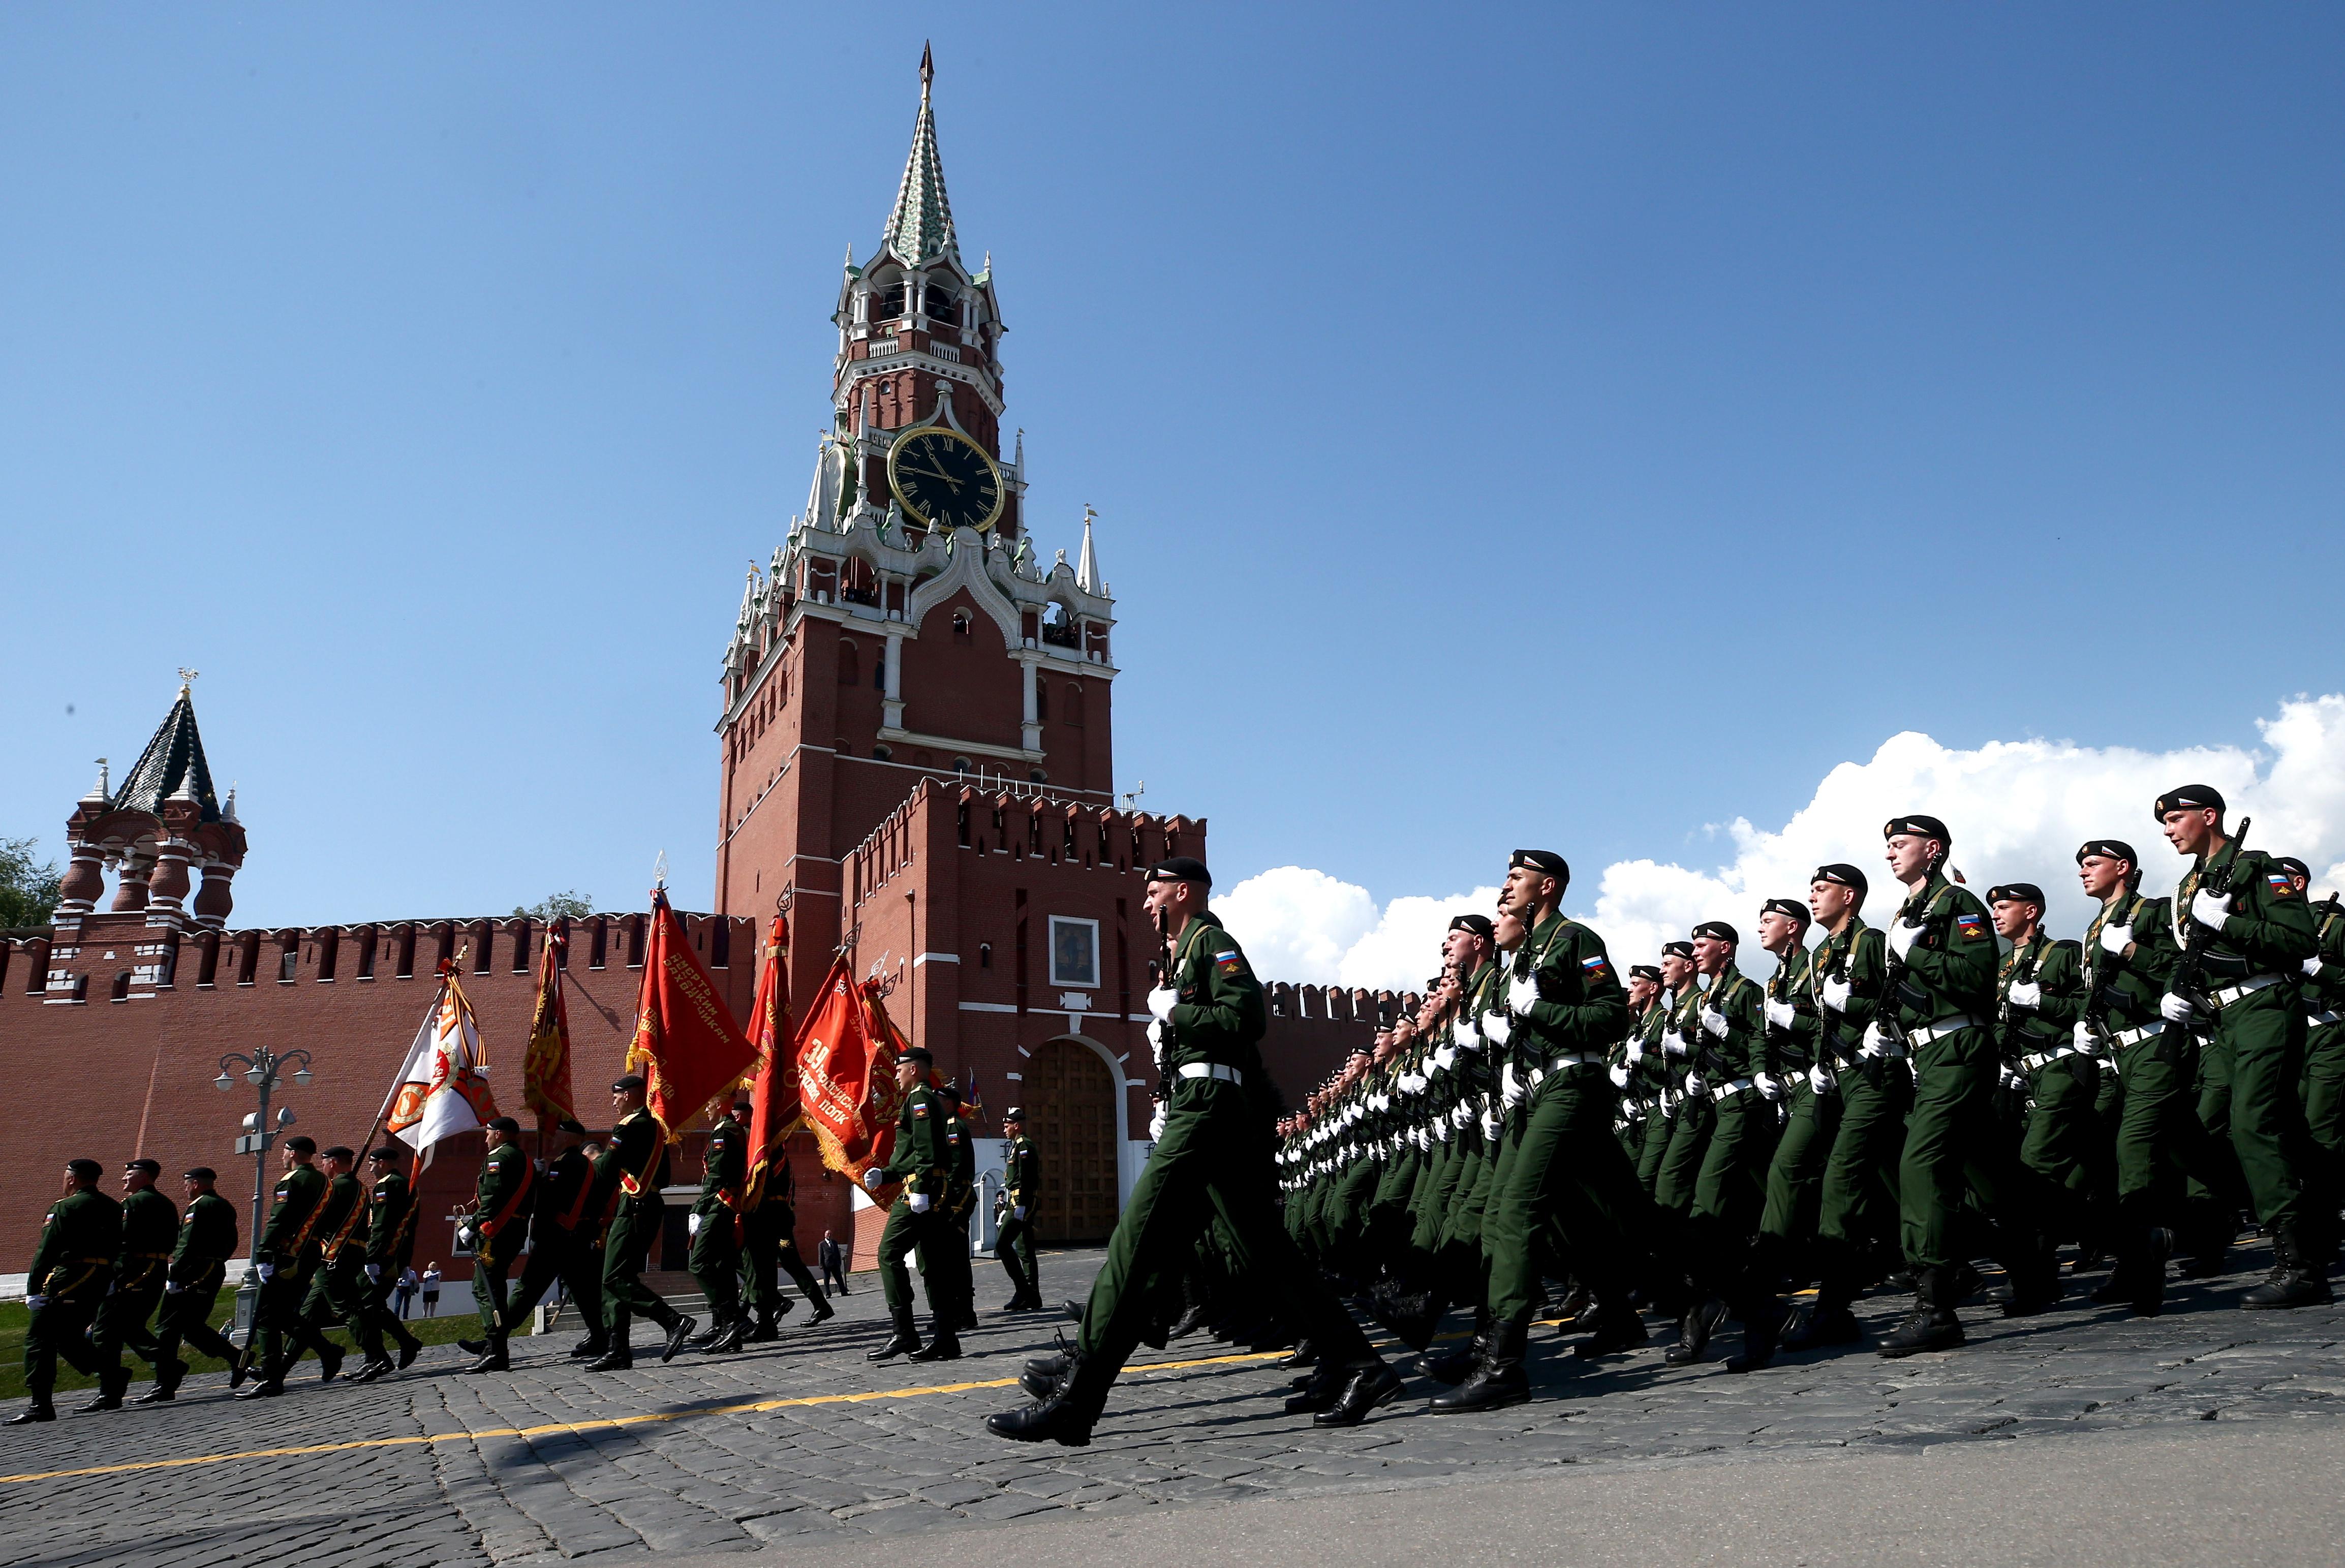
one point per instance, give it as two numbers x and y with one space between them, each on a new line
920 1108
1969 925
2282 884
1593 966
1228 962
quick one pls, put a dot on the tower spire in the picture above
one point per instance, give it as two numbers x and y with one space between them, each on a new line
921 226
1087 575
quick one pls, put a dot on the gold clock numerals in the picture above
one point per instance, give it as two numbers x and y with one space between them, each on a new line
944 479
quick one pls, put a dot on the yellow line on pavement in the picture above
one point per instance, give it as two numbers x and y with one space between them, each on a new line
750 1407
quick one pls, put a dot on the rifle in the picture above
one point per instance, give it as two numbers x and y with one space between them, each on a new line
1893 981
2190 982
2011 1033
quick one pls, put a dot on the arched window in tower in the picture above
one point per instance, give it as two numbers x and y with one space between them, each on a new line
960 625
1074 708
941 308
891 300
850 664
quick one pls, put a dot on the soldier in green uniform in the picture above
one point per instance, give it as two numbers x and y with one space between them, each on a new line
627 1180
714 1225
1212 1160
771 1247
1938 1008
286 1256
1644 1075
2324 1039
2039 996
191 1283
1022 1187
1480 1035
945 1261
1560 1169
336 1293
565 1245
1787 1222
389 1246
2242 922
72 1266
1856 1210
1690 1126
1736 1059
495 1227
923 1161
150 1223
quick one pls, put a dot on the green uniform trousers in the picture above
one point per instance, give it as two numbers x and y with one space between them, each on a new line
1859 1204
121 1319
2264 1034
627 1248
570 1257
771 1247
715 1261
1680 1167
1013 1245
185 1317
1953 1148
2159 1136
1469 1200
944 1262
2324 1105
277 1312
2061 1144
903 1232
1795 1176
491 1267
1652 1148
59 1330
1561 1166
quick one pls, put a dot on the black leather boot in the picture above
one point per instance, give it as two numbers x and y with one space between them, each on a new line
678 1333
111 1382
1064 1416
1616 1327
1694 1330
495 1361
40 1409
905 1342
1498 1379
1365 1388
944 1341
2292 1282
166 1384
1456 1366
1932 1325
1762 1328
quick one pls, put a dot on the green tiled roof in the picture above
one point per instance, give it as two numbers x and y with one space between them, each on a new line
174 757
922 226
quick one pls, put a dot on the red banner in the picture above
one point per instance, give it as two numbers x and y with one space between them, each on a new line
686 1044
847 1051
774 1094
545 1069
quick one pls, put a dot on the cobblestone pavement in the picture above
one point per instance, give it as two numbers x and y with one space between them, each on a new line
804 1442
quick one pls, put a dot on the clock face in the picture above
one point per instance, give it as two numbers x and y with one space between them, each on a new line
944 479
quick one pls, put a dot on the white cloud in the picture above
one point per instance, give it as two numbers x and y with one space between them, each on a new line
2017 810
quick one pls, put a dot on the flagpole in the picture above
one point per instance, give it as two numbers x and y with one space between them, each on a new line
391 1099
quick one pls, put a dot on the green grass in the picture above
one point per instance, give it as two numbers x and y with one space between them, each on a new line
456 1321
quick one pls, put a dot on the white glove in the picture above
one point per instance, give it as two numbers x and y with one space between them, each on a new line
2026 993
2311 967
1522 993
2174 1010
2012 1080
2211 910
1674 1043
1160 1032
1462 1036
1635 1050
34 1303
1901 937
469 1236
1769 1084
920 1202
1714 1021
1511 1088
1160 1001
1496 1027
1835 995
1017 1213
1782 1015
692 1225
1156 1127
2116 939
172 1288
1491 1126
1445 1058
1695 1087
374 1272
2083 1035
266 1270
1873 1041
1820 1080
874 1178
1620 1077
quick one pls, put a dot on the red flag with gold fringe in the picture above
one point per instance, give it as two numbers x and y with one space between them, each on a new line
775 1112
686 1044
545 1068
846 1051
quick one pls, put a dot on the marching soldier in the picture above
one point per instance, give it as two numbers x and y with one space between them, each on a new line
1213 1157
72 1267
1735 1057
337 1293
495 1227
923 1161
629 1176
1644 1075
285 1256
715 1224
150 1223
2324 1040
948 1256
1022 1187
1787 1223
2039 996
771 1245
2244 930
390 1245
191 1283
563 1245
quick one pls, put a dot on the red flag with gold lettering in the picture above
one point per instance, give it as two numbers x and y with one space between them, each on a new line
845 1051
773 1093
686 1044
545 1069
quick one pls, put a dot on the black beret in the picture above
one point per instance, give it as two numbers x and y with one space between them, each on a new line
504 1124
152 1168
745 1106
1014 1114
302 1143
1644 971
1718 931
567 1126
2108 849
1842 874
200 1173
626 1082
951 1091
1677 950
85 1170
2190 798
1920 828
2019 892
919 1054
1478 924
1790 908
382 1155
1180 868
2294 867
339 1152
1546 860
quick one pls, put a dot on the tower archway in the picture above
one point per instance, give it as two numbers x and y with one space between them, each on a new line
1071 1099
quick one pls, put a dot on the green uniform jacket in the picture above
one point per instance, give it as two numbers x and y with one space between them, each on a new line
960 1178
150 1224
1218 1013
501 1197
2059 968
1744 1052
1794 1049
1951 966
2270 929
2324 988
290 1230
344 1214
636 1153
1650 1074
79 1238
390 1221
920 1159
206 1239
1023 1173
723 1169
2126 992
1579 1007
1858 956
564 1197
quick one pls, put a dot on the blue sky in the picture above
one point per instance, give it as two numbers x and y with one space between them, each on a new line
1561 424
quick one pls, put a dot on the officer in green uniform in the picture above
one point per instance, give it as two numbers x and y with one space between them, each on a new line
771 1247
1736 1060
389 1246
286 1256
1938 1009
2324 1040
1022 1187
920 1160
1856 1210
2039 996
1561 1168
495 1227
715 1224
191 1283
2244 924
944 1263
150 1223
72 1266
627 1182
1212 1160
564 1244
337 1286
1787 1222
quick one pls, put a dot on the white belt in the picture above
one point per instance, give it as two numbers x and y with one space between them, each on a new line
1736 1087
2046 1058
1210 1069
2231 993
1951 1024
2318 1019
1579 1059
2150 1031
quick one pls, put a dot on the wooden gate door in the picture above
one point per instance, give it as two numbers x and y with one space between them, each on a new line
1070 1104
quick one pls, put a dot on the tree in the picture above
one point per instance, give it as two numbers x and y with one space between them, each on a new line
28 893
571 905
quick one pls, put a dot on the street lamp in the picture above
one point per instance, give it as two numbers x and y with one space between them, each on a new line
262 1069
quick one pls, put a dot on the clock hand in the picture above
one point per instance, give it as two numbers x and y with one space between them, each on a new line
933 474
